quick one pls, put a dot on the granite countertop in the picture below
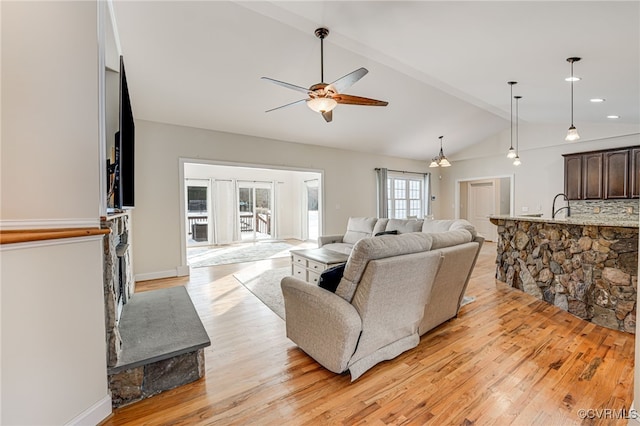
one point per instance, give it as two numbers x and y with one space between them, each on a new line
588 221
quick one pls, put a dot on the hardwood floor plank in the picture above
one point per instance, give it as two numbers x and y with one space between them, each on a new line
507 358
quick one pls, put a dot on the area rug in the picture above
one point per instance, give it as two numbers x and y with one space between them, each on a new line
266 287
249 252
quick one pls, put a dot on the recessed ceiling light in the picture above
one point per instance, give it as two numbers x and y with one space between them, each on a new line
596 100
572 79
613 117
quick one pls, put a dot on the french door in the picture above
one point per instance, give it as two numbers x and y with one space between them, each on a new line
256 219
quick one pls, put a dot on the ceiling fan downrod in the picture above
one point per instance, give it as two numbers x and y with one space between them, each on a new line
321 33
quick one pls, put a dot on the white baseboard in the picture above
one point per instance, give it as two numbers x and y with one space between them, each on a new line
180 271
94 414
183 271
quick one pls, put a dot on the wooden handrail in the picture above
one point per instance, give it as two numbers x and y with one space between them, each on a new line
13 236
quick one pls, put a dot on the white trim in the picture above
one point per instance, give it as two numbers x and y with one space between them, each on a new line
457 192
49 223
179 271
183 270
94 414
48 243
102 120
183 198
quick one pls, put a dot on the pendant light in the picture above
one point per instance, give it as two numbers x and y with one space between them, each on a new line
572 134
516 160
512 152
441 159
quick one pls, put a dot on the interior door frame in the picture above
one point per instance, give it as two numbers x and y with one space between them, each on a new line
512 191
183 268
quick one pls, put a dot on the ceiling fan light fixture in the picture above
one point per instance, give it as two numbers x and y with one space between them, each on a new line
322 104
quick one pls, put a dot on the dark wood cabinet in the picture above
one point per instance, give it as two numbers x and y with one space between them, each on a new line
573 177
634 181
603 175
592 176
616 174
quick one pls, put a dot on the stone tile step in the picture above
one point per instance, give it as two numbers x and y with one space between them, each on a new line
157 325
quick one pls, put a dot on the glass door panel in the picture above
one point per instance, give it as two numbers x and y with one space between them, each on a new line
255 201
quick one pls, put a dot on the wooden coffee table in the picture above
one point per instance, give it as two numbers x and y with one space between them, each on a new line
308 264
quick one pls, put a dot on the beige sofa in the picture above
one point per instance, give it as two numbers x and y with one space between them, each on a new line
394 289
363 227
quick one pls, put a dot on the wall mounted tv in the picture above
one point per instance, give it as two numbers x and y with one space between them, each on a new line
123 168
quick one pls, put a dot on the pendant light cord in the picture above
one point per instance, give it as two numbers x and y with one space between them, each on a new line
322 59
511 120
571 93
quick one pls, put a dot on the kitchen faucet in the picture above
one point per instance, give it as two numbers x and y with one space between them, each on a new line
553 207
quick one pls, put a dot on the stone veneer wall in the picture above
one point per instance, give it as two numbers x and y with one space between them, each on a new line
589 271
119 235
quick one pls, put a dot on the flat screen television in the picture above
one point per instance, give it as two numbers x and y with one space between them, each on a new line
124 167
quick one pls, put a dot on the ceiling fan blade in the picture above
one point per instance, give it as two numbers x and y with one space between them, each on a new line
328 116
348 80
287 85
357 100
287 105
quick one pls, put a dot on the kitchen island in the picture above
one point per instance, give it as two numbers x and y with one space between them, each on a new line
586 266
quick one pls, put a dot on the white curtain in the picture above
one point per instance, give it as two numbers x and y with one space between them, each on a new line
381 176
224 212
427 196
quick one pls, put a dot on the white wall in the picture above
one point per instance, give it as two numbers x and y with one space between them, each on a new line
53 341
52 310
49 111
540 176
349 179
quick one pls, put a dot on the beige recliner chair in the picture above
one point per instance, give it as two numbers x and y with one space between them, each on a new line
376 310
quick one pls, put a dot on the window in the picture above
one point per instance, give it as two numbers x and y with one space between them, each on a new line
196 199
406 197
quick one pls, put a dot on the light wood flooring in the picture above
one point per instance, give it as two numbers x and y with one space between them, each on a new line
508 359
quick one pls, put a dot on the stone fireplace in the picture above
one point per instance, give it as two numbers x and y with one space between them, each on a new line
119 284
155 339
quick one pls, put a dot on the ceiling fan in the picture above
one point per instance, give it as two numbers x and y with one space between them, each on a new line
323 97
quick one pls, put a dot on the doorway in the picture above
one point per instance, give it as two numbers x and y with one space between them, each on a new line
479 198
310 210
256 215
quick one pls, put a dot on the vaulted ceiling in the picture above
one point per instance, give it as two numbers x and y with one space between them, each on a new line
442 66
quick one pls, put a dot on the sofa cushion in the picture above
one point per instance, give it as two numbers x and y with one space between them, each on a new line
343 248
359 228
330 278
381 225
377 248
441 225
404 226
450 238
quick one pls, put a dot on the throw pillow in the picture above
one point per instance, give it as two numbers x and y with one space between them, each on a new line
394 232
330 278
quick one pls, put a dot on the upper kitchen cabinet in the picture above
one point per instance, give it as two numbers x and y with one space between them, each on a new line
602 175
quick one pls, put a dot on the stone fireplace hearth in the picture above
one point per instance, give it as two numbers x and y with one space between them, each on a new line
155 339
